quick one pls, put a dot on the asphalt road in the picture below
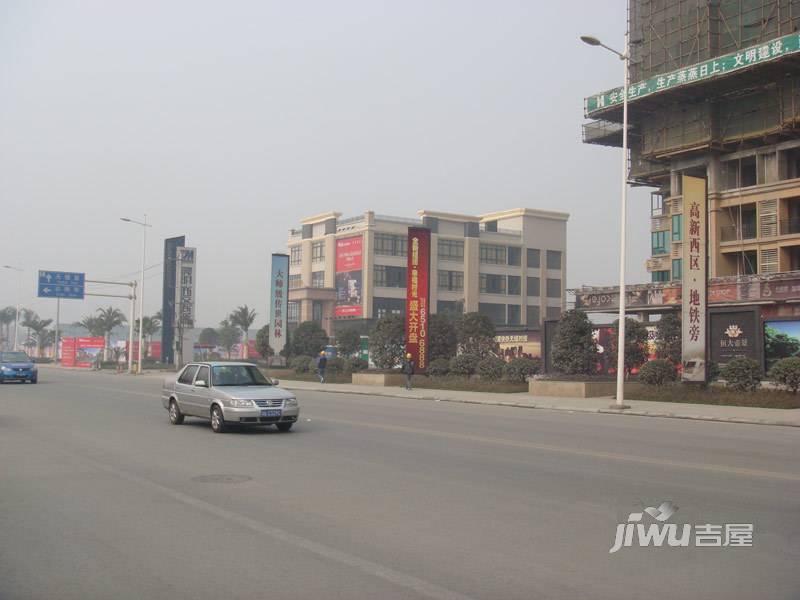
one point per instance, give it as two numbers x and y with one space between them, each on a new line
100 497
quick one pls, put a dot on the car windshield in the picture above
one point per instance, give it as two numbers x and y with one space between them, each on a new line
227 375
14 357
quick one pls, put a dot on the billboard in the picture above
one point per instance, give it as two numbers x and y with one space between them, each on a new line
69 348
517 345
781 340
81 352
733 334
694 304
279 302
349 277
171 246
418 296
185 286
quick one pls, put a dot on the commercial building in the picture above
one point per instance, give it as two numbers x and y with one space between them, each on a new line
510 265
714 93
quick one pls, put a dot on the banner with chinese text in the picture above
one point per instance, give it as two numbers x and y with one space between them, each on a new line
279 302
418 296
694 308
349 261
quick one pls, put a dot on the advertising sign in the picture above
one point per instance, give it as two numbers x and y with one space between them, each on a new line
650 296
694 307
781 340
59 284
418 296
733 335
69 349
349 276
516 345
88 350
171 246
185 286
279 302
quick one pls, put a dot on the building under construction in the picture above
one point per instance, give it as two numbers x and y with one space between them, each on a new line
715 92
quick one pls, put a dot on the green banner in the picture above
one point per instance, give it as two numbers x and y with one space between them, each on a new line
716 67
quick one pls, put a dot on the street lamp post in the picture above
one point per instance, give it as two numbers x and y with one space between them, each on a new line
144 225
625 58
19 295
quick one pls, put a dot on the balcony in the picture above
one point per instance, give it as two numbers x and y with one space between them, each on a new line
736 233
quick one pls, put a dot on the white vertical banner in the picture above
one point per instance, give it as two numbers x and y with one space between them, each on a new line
279 302
185 286
695 277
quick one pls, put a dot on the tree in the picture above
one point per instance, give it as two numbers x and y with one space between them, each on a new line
243 318
786 373
574 348
475 334
108 319
442 337
262 342
308 338
386 342
150 326
635 344
229 335
33 323
7 316
348 341
668 338
93 325
209 337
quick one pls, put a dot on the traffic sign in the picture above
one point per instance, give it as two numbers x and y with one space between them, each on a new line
59 284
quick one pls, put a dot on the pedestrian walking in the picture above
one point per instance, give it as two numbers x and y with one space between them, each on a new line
408 368
322 362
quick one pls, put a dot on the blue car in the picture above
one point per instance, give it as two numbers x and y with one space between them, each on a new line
17 366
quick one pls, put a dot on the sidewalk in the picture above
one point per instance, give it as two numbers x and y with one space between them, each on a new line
674 410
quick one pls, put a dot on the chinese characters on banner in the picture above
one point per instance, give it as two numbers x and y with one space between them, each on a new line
349 277
279 302
185 287
693 315
81 352
418 296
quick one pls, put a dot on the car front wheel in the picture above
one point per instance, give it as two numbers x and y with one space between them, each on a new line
175 414
217 420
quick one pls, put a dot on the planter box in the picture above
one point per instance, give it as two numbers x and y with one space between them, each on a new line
577 389
380 379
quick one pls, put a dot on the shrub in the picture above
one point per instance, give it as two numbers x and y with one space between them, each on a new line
386 342
335 365
464 364
742 374
519 369
439 367
657 372
786 373
712 371
301 363
355 364
574 348
491 368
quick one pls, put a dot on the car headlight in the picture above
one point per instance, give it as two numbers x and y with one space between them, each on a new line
6 369
290 402
236 403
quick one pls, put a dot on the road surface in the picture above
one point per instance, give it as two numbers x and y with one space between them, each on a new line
374 497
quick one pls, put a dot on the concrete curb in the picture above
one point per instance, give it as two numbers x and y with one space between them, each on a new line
573 409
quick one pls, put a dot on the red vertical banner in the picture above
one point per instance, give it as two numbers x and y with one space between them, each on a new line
418 296
69 346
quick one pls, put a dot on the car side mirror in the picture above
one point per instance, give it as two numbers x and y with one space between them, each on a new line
276 382
200 383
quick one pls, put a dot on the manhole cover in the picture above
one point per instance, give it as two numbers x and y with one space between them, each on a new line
221 478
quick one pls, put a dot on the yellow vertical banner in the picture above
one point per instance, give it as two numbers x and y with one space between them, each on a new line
694 272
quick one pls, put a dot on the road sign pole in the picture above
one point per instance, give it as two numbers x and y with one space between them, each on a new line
130 328
58 323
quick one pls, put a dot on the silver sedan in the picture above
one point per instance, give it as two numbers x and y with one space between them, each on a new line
228 393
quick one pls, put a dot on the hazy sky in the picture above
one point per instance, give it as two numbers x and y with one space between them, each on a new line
230 121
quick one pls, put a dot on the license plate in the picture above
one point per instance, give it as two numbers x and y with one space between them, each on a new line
271 413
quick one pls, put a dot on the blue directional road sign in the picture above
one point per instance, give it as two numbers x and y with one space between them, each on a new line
58 284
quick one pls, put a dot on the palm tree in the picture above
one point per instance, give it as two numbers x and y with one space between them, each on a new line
150 326
243 318
92 324
32 322
109 318
25 316
7 317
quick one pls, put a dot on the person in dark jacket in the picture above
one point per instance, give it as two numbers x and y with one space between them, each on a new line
322 362
408 368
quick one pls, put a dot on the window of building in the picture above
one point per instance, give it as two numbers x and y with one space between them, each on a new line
295 281
656 204
533 286
677 269
514 256
391 245
318 279
492 284
738 173
452 281
660 276
388 276
295 255
554 288
451 250
748 171
514 285
532 315
533 258
316 311
492 254
449 307
677 227
789 165
496 312
317 251
553 259
658 242
293 315
382 307
553 313
513 314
